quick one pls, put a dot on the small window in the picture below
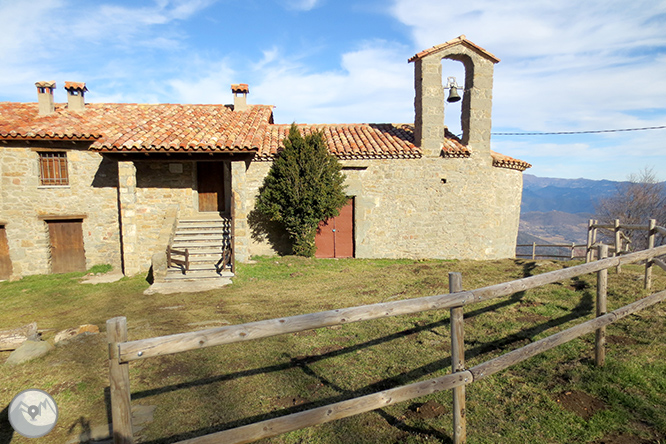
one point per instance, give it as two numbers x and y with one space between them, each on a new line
53 168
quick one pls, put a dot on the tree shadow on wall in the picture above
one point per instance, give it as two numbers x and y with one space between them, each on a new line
262 229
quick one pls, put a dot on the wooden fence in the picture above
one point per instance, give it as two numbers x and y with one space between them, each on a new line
122 351
570 247
621 241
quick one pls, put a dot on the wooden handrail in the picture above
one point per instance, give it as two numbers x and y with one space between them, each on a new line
183 262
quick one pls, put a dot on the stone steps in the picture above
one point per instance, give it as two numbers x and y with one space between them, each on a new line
172 275
205 239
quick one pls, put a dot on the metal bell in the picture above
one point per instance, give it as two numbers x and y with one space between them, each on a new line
453 95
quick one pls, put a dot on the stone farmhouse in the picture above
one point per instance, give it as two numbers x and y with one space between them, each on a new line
110 183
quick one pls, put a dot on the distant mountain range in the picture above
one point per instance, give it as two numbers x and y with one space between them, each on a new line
557 210
566 195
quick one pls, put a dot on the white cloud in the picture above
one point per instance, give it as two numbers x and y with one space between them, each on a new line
302 5
575 54
60 40
204 82
566 65
374 84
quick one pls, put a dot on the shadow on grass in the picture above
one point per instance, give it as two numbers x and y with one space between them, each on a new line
6 429
584 307
297 361
528 268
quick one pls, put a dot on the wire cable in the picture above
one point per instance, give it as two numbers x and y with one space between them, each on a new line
557 133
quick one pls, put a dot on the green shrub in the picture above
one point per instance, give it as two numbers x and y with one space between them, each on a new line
303 187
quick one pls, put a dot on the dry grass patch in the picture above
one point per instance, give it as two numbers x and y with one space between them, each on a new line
207 390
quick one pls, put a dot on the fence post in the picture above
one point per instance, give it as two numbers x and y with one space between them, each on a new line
588 250
121 411
602 286
458 363
648 264
618 244
533 250
573 248
595 230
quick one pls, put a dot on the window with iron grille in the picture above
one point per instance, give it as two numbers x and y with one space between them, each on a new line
53 168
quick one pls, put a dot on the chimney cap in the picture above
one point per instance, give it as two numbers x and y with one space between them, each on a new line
240 88
77 86
46 84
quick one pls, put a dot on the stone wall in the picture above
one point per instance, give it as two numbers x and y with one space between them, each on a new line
158 188
448 208
404 208
24 203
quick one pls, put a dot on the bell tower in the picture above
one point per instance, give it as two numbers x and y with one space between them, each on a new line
476 98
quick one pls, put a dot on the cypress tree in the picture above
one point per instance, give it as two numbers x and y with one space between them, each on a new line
303 187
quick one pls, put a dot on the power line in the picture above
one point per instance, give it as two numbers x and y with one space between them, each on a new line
580 132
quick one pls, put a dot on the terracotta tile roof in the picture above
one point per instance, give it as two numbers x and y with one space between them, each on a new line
240 88
167 127
46 84
453 147
351 141
133 127
79 86
462 40
502 161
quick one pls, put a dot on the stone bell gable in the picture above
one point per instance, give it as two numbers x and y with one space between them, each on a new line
429 130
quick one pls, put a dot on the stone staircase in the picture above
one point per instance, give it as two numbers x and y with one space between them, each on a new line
205 238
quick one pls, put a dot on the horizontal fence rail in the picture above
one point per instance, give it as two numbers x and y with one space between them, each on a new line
121 351
571 247
621 241
534 255
344 409
513 357
181 342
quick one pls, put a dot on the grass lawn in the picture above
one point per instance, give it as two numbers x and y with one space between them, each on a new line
556 397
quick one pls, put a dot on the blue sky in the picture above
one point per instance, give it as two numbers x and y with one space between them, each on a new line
565 65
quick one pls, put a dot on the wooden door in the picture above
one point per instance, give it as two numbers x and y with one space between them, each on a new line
67 253
210 185
335 236
5 261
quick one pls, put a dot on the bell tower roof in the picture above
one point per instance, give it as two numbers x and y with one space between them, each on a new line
461 40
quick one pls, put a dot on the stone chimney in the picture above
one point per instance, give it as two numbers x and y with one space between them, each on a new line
45 97
75 95
240 92
476 102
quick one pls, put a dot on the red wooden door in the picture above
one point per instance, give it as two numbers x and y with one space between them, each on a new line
67 253
210 185
335 236
5 261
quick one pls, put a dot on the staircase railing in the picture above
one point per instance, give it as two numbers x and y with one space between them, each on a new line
185 263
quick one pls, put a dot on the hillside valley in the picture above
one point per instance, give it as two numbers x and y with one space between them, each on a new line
557 210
